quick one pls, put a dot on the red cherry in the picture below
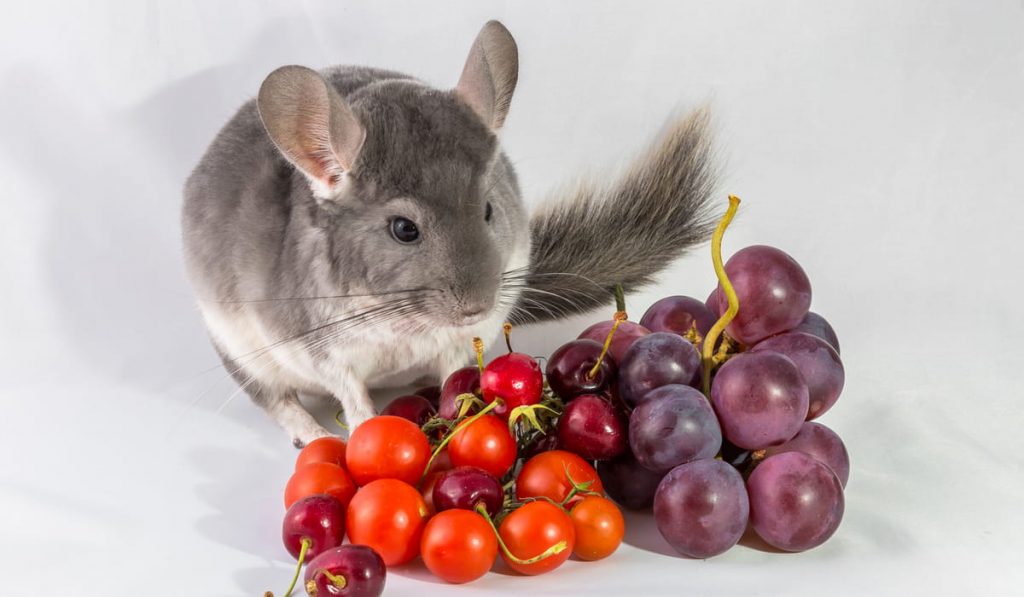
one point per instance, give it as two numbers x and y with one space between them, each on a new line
515 378
318 519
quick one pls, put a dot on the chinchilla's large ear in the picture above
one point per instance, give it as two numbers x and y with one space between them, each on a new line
311 125
490 74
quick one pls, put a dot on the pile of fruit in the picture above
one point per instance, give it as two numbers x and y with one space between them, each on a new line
702 411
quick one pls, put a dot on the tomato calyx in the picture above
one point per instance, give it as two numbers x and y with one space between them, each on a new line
455 429
531 413
577 489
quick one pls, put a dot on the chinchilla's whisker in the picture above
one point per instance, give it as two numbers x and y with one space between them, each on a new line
320 298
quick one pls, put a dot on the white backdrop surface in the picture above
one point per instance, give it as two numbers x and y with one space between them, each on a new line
880 143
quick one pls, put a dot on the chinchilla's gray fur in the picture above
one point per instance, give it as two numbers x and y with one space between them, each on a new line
287 227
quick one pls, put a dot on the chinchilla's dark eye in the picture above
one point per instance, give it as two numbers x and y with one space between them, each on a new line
404 230
488 212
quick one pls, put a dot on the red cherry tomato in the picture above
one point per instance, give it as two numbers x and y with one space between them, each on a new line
458 546
485 443
319 477
387 447
324 449
544 475
388 516
515 378
531 530
599 527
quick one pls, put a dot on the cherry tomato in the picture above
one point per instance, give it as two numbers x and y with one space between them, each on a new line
387 447
544 475
515 378
485 443
531 530
388 516
458 546
324 449
316 478
599 527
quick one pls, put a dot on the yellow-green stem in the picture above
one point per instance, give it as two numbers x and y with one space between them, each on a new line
456 429
478 348
619 317
298 567
507 328
730 293
555 549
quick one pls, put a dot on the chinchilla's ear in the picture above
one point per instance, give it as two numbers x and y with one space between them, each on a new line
490 74
311 125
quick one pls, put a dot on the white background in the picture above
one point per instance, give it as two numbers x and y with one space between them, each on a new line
880 143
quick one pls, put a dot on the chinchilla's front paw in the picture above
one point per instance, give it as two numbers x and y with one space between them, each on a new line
302 437
357 416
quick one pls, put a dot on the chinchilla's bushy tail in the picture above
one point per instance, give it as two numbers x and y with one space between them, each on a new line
624 232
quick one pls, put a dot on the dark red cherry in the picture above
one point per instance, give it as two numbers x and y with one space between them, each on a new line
412 407
320 519
462 381
568 369
346 571
466 486
593 427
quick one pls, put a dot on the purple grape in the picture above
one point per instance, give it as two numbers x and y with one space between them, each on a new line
816 325
462 381
701 508
673 425
677 314
796 502
773 291
712 301
432 394
822 444
464 487
354 571
760 398
628 482
568 369
412 407
817 362
625 335
656 360
592 427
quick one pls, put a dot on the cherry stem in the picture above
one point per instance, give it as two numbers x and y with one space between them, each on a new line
619 317
478 348
555 549
507 327
337 580
298 567
730 293
448 437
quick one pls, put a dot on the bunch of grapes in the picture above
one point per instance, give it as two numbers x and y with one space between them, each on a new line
703 411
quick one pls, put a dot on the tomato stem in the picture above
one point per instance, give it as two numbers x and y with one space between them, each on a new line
716 330
298 567
555 549
456 429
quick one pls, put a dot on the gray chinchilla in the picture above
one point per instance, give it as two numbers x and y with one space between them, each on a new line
353 226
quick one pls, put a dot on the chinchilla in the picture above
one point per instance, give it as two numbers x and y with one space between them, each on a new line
354 227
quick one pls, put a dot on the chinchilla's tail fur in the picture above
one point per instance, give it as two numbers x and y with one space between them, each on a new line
622 233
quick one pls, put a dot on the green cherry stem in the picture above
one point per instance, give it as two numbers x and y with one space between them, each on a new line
298 567
619 317
555 549
456 429
478 348
730 293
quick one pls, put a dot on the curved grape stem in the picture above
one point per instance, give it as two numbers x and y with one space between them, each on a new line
298 567
619 317
730 293
555 549
456 429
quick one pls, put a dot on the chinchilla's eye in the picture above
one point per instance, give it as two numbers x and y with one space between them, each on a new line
404 230
487 212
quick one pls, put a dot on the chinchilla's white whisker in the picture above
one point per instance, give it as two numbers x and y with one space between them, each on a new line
319 298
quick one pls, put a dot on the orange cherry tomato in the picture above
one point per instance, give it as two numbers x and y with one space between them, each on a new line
388 516
319 477
387 447
458 546
531 530
485 443
544 475
324 449
599 527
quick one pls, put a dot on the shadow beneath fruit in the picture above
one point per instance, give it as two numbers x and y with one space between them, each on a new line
273 577
243 488
415 570
751 540
642 533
